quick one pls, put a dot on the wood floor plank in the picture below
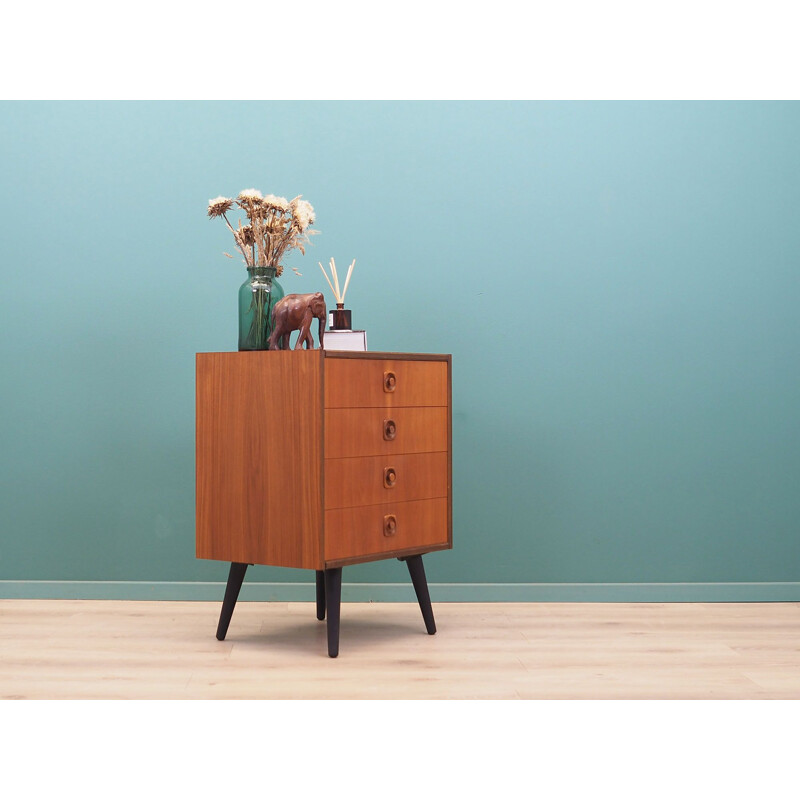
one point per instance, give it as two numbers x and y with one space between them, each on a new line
86 649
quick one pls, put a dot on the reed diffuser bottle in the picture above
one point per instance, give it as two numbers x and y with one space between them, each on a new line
341 318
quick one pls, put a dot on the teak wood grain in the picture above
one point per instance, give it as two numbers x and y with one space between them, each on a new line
259 457
360 531
282 435
353 432
360 481
354 383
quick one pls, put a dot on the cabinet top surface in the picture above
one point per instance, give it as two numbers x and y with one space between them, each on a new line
337 354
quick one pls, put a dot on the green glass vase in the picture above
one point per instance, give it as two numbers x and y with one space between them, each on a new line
257 297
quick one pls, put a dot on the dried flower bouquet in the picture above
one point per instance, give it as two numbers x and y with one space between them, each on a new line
274 226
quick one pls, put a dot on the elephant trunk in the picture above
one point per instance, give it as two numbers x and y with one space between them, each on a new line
322 327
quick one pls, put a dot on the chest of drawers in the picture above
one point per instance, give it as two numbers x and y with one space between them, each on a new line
321 459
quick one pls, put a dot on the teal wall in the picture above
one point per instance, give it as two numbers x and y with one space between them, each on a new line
620 282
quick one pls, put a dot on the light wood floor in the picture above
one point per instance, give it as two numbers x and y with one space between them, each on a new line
58 649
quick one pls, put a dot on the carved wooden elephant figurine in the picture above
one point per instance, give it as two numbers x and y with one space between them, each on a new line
294 313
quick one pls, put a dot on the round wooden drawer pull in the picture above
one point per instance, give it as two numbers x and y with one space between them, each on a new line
389 429
389 477
389 525
389 381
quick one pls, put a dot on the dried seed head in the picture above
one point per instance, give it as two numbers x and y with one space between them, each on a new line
218 206
249 196
246 235
303 214
251 201
278 203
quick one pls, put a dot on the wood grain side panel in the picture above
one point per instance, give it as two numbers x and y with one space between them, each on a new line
450 450
359 532
259 449
359 383
351 432
360 481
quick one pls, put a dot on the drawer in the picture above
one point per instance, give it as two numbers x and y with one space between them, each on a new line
378 431
385 479
358 382
353 532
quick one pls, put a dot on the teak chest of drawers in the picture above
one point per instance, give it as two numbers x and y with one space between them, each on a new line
318 459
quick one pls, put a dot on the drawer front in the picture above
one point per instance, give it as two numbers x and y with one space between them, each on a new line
385 479
378 431
356 382
354 532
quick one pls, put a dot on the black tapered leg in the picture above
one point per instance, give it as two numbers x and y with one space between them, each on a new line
417 572
320 594
333 602
235 578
